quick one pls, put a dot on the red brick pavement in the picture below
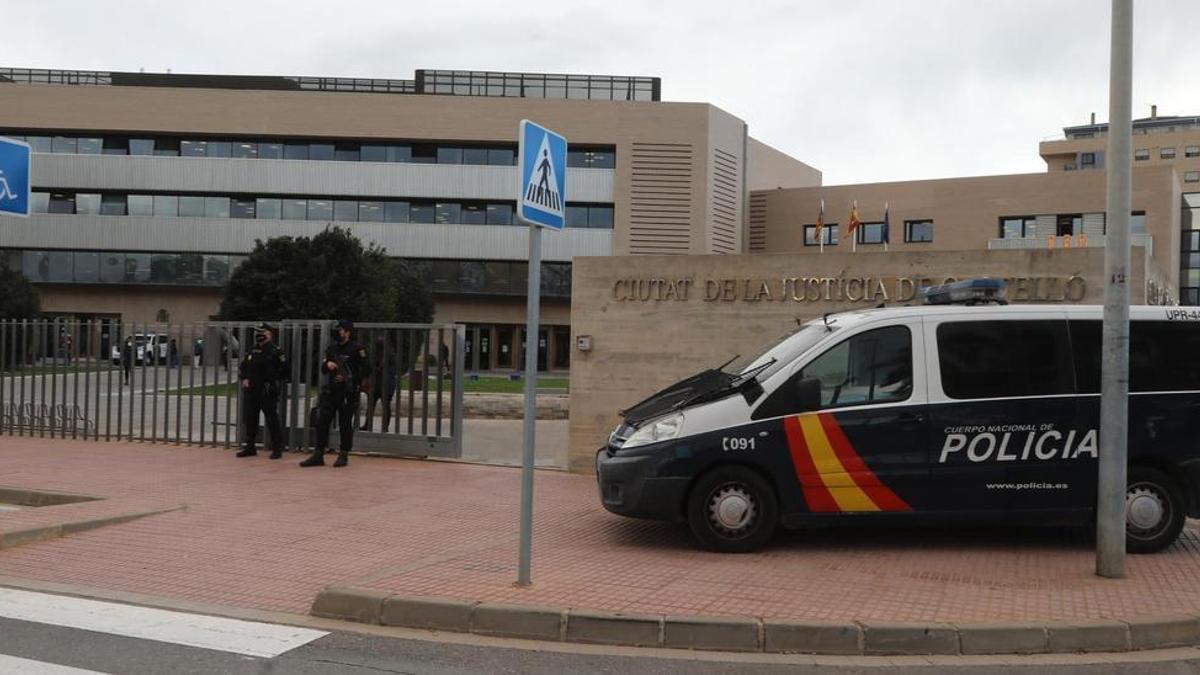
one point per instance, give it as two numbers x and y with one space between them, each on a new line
269 535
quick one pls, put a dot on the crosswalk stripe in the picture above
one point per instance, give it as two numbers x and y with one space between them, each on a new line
250 638
11 665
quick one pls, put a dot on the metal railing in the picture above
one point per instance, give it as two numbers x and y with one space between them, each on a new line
1145 241
178 383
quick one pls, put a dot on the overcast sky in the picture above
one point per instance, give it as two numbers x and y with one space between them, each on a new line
864 90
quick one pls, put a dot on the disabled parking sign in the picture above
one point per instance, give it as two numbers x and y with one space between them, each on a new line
14 177
542 158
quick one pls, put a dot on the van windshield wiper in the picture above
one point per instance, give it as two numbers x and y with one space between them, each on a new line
735 382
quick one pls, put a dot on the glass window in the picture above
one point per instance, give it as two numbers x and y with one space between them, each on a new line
320 209
268 208
189 268
244 149
87 203
870 233
112 267
997 359
140 205
1166 153
399 153
501 157
112 205
137 267
216 269
193 148
370 212
270 150
91 146
577 216
1192 151
166 147
241 207
115 146
166 205
374 153
63 145
449 155
499 214
473 156
600 216
1017 227
918 230
216 207
1087 159
39 202
829 234
62 202
346 152
38 143
164 268
473 214
345 210
423 153
421 213
602 159
191 207
295 151
321 151
395 212
1141 154
53 266
448 212
1191 176
1137 222
219 149
87 267
1162 355
295 209
141 146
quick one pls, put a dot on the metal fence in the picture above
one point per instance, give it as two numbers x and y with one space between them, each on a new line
178 383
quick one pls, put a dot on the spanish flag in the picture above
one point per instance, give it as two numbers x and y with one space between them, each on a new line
820 221
855 221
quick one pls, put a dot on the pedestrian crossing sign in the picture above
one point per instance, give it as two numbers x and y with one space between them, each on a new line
14 177
542 159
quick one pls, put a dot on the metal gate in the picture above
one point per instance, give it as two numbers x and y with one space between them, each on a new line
178 383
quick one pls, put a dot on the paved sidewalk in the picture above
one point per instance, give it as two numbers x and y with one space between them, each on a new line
269 535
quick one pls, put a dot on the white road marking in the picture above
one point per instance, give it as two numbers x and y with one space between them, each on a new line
250 638
11 665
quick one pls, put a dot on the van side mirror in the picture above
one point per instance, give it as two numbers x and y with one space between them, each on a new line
808 394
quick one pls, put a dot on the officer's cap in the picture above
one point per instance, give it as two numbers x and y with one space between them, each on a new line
265 327
344 323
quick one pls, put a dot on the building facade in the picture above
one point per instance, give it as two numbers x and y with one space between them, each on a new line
150 188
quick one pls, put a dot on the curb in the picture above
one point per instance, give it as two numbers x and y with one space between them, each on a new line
29 535
750 634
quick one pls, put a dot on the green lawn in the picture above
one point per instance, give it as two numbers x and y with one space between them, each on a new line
484 385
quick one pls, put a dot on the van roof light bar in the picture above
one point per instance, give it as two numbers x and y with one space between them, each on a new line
969 292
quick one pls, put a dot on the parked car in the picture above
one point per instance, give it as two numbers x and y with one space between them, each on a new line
148 347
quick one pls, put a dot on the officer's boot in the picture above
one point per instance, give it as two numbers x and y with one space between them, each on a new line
317 458
246 452
342 458
277 453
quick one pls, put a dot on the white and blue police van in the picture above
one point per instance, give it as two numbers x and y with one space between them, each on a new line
952 410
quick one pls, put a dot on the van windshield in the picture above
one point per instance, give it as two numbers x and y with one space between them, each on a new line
783 350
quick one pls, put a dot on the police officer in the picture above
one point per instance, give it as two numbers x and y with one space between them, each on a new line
345 365
260 373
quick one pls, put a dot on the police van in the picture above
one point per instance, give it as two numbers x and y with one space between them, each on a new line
952 410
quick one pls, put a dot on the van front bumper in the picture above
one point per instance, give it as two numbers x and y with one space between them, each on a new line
630 486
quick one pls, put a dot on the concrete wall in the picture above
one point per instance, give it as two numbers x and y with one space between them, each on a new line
655 320
771 169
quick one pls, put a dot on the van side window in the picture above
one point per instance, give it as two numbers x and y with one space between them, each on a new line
999 359
872 367
1163 355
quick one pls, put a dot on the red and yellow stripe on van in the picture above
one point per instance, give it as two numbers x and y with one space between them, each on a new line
831 474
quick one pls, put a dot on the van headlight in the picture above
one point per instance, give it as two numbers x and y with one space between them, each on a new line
661 429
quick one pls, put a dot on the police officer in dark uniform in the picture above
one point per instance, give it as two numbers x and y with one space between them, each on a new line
260 373
345 366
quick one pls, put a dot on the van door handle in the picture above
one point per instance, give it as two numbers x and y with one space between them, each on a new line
911 417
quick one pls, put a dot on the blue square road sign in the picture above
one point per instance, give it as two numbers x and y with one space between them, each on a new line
14 177
542 159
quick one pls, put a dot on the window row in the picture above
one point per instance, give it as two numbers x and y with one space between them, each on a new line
339 151
1142 154
599 216
915 231
1065 224
489 277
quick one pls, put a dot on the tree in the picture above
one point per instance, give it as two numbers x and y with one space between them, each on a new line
330 276
18 298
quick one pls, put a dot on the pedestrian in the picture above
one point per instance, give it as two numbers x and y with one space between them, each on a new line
260 373
173 353
127 357
344 365
384 375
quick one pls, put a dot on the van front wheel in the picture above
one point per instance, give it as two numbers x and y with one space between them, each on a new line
1154 510
732 510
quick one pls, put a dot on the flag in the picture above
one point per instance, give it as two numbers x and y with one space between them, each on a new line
820 222
886 225
855 221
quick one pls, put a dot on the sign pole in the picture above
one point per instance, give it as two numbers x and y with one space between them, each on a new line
533 303
1114 383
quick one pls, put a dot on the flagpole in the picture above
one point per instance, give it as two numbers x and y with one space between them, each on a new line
887 226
